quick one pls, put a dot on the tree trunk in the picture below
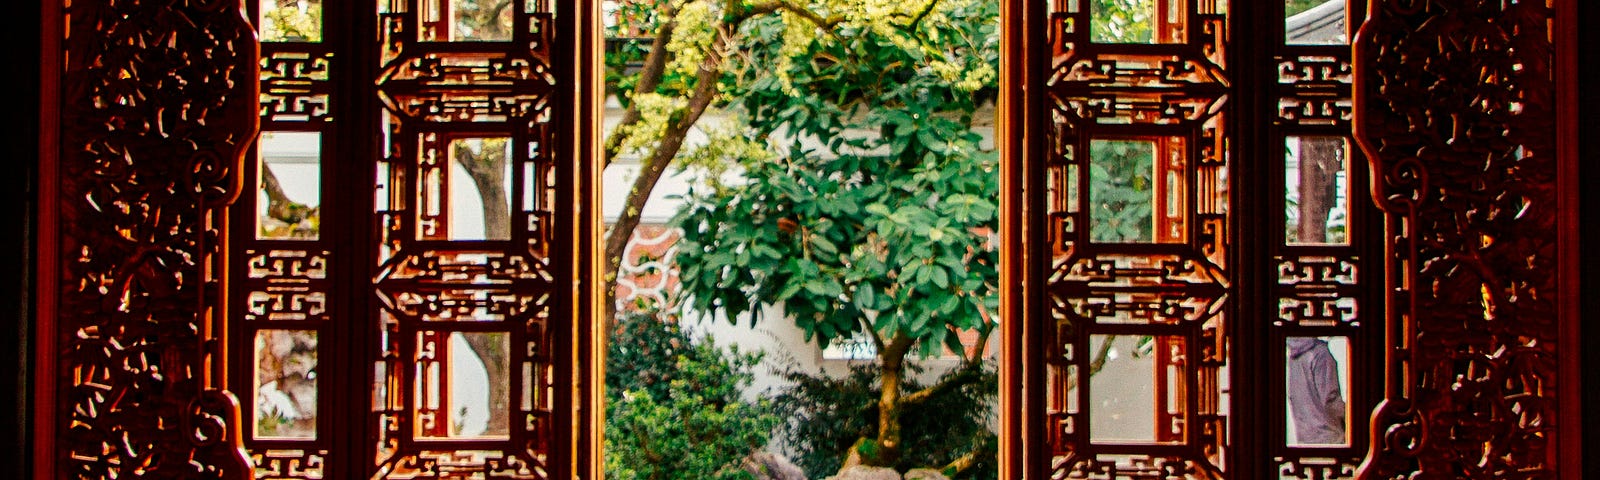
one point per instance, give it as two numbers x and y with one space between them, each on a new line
487 168
1319 164
893 358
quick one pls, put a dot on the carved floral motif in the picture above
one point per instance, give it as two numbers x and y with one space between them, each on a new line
160 105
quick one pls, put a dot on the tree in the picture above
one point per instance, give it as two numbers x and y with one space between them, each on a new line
884 231
669 85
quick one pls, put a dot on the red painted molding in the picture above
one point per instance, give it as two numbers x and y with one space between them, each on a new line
1569 434
47 257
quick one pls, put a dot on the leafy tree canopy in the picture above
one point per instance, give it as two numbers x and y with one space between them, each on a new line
885 228
866 204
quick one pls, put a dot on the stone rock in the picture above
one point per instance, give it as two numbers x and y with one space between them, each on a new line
859 472
770 466
925 474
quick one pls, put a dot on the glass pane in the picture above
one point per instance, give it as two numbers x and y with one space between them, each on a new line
291 20
467 20
289 186
1315 22
1126 205
1316 196
1317 378
286 384
463 384
480 185
1136 389
1136 21
1122 21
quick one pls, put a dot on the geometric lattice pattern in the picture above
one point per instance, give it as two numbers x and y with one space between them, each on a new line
1324 258
1139 231
648 275
282 282
472 101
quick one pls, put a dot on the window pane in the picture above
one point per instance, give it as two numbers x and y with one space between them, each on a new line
286 384
468 198
1137 392
1315 22
291 20
289 187
467 20
1318 377
1120 188
1136 21
1138 190
463 385
1316 197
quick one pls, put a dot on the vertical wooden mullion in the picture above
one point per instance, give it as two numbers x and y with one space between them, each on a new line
1253 69
1031 327
564 336
359 149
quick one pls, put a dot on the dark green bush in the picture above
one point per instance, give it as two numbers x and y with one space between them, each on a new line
829 414
673 405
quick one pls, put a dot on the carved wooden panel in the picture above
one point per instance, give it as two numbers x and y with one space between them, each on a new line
401 269
286 350
1456 116
159 104
1138 233
1322 308
1210 265
466 198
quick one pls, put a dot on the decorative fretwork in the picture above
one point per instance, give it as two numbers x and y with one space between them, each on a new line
159 112
1139 228
1321 314
288 464
1457 117
295 84
455 281
464 108
284 305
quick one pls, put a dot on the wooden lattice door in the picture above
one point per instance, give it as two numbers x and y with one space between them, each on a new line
439 281
1194 197
304 304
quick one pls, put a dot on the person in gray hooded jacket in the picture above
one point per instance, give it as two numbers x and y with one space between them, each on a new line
1315 401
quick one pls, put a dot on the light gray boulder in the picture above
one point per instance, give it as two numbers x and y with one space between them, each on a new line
860 472
769 466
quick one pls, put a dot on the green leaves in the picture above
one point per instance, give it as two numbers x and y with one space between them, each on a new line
1121 190
882 202
673 404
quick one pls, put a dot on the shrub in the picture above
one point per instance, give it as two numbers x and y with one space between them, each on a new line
673 404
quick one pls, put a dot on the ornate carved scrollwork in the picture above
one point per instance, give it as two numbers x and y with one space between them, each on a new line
1455 107
159 109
